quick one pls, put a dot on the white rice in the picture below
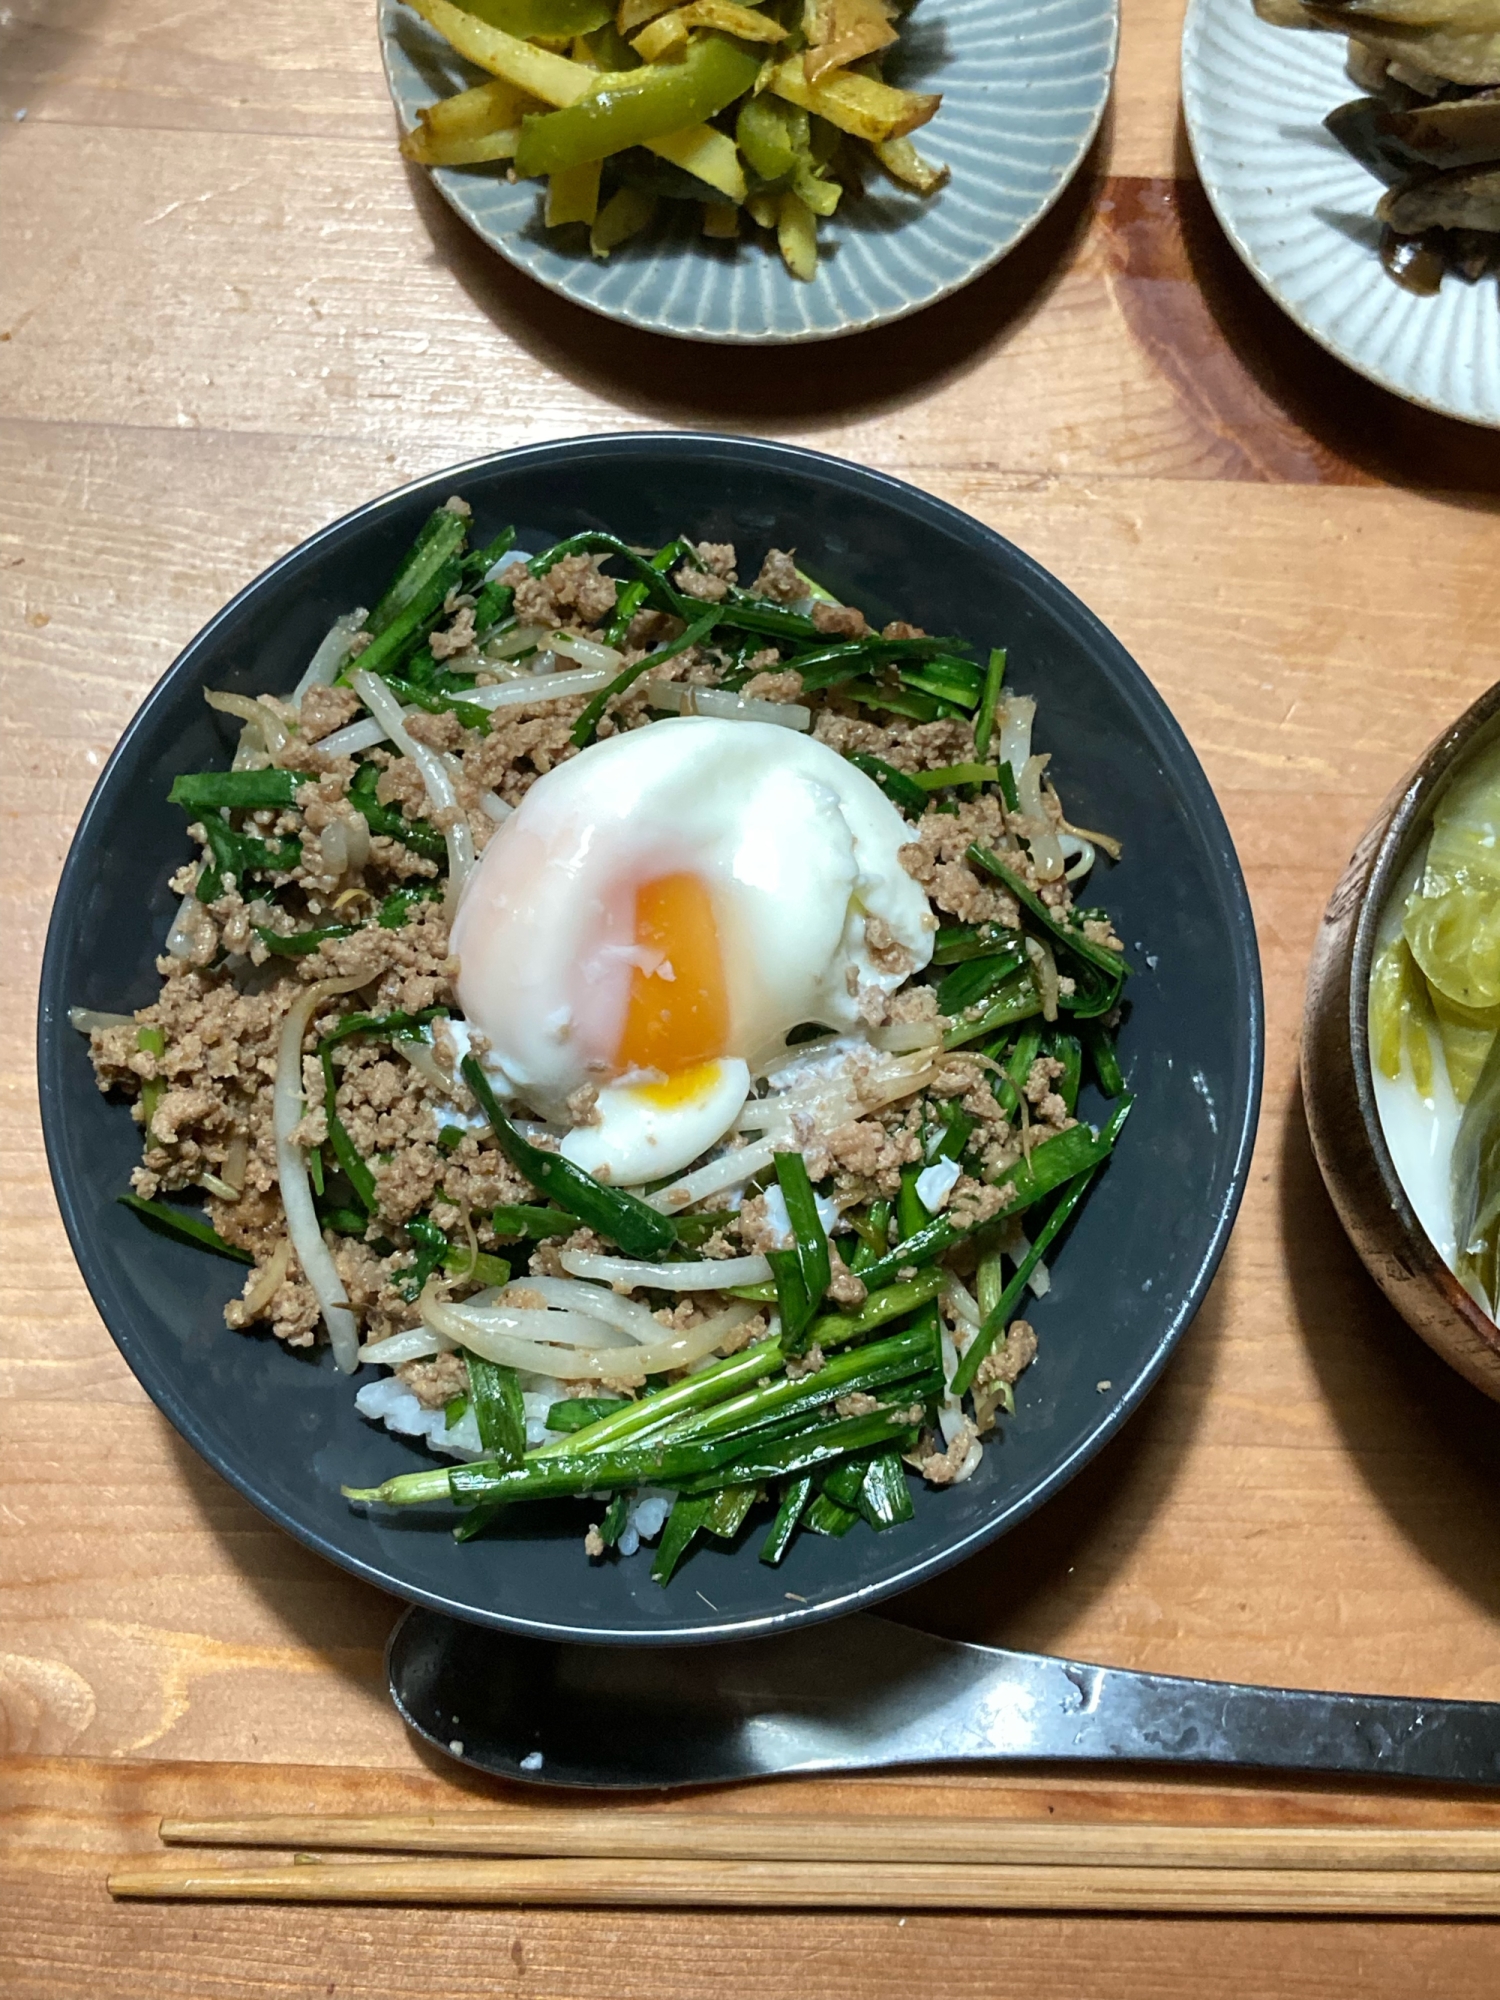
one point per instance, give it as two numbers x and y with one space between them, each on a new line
391 1403
645 1516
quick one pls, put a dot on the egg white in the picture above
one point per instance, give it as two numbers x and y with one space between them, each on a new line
638 1139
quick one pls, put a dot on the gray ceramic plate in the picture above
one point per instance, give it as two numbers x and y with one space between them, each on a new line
1024 84
282 1427
1300 211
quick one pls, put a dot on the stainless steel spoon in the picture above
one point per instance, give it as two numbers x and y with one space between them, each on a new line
862 1693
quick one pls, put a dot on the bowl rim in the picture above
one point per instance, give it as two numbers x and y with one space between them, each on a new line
441 179
1406 823
1189 780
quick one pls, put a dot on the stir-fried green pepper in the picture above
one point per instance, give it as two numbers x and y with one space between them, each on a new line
636 105
541 20
763 131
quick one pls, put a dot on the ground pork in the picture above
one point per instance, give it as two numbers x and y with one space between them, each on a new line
756 1232
1047 1105
458 637
937 859
942 1468
967 1078
401 785
324 709
840 621
412 966
778 578
443 731
865 1159
701 584
1008 1361
546 1259
1099 930
436 1382
582 1105
973 1202
843 1287
718 558
571 593
651 627
798 1365
516 753
886 950
780 684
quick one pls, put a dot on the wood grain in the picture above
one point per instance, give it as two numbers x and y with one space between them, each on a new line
764 1886
67 1822
228 313
623 1834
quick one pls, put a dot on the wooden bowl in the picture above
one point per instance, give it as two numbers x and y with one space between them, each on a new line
1337 1085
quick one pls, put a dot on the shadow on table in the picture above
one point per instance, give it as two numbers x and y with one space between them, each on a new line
1032 1587
1362 428
1426 1444
1026 1590
776 387
344 1620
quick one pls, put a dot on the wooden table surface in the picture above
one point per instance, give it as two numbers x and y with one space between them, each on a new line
227 314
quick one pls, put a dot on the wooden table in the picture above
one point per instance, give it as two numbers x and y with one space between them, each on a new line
228 314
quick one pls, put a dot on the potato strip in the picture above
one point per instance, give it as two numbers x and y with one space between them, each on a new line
856 104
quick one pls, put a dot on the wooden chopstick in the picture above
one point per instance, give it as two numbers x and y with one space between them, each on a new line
883 1840
799 1884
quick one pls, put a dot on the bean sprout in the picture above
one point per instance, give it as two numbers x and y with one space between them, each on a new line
540 687
382 704
626 1366
709 1274
287 1107
327 663
684 699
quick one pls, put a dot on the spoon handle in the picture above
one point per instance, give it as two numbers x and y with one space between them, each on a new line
1106 1713
862 1693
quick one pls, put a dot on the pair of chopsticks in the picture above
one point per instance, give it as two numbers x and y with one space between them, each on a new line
607 1859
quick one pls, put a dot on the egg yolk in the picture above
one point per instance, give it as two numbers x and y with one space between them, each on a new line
677 1017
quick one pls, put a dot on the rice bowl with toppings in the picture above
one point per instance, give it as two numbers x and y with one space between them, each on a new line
280 1423
645 1014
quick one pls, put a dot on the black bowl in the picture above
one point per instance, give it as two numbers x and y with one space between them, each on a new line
282 1427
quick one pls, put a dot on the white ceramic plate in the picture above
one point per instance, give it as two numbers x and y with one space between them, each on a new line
1301 212
1024 85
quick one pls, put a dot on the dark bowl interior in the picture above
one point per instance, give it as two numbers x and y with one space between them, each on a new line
282 1427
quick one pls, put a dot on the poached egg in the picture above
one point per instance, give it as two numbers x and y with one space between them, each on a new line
660 911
